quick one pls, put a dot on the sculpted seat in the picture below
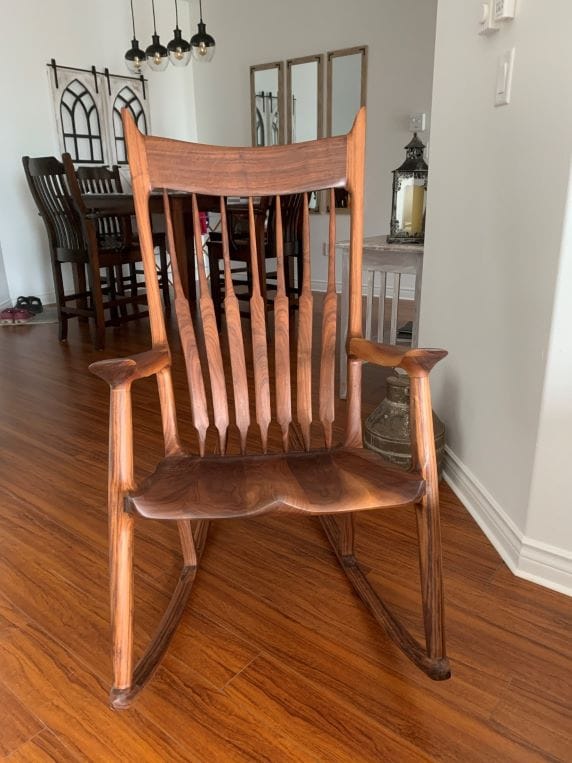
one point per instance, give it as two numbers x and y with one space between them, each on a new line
254 380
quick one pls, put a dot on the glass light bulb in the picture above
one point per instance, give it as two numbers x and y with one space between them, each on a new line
135 58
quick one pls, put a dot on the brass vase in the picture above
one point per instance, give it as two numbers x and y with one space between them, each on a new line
388 429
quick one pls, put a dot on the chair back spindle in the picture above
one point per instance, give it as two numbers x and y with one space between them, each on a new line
235 338
258 329
282 336
211 337
188 340
304 356
329 318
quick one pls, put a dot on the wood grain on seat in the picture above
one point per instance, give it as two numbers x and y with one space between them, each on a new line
320 482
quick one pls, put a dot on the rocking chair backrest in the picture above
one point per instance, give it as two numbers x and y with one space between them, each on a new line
159 163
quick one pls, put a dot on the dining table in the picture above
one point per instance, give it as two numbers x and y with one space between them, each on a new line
183 228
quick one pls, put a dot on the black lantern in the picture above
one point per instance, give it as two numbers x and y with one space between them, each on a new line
409 196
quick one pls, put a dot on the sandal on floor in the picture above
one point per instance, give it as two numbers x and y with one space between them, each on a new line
33 304
15 315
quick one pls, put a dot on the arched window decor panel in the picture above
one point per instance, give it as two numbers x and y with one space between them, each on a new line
81 124
87 109
126 99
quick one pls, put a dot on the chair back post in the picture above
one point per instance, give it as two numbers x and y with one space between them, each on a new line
49 188
355 179
141 188
73 185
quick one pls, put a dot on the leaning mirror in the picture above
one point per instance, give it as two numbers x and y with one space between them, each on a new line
266 104
304 99
347 85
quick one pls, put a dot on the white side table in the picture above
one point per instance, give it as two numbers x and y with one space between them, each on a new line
380 259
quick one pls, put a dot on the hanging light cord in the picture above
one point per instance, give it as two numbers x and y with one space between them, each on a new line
176 15
133 20
154 22
201 9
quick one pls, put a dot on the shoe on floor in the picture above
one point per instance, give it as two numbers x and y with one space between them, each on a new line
15 315
33 304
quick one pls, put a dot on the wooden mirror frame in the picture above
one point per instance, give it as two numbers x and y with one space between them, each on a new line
319 59
331 54
279 65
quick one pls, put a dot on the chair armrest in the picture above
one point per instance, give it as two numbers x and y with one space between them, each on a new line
119 371
416 362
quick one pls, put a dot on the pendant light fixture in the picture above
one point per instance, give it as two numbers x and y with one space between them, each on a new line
157 55
135 57
202 44
179 49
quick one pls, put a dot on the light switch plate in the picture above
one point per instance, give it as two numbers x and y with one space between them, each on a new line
504 78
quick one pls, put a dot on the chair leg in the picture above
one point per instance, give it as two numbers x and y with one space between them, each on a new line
128 683
98 311
60 299
432 660
121 562
430 567
213 254
164 267
80 286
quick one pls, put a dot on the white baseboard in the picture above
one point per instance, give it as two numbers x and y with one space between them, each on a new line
404 292
527 558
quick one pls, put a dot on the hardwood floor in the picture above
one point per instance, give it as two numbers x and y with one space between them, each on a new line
264 666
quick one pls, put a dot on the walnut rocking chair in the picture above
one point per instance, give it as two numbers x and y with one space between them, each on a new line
331 481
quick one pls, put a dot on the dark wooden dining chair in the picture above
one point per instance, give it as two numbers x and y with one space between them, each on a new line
47 182
279 468
239 252
112 235
116 232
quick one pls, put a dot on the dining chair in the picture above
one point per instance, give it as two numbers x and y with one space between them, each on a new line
117 232
239 252
46 179
263 392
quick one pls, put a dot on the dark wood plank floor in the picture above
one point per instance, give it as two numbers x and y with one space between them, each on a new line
266 666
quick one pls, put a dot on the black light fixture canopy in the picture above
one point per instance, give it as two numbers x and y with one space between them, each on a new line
135 57
157 55
179 49
202 43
